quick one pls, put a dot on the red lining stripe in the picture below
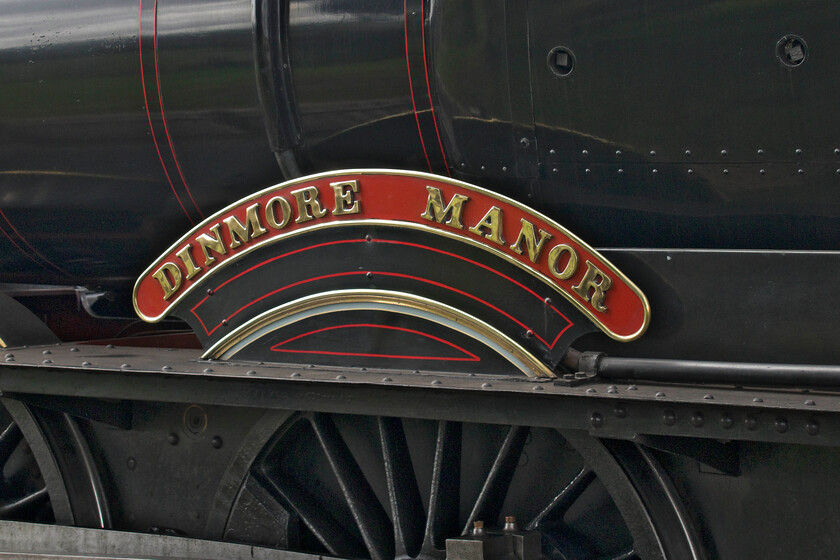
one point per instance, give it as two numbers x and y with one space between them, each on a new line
472 357
149 114
429 88
411 86
163 114
33 249
415 245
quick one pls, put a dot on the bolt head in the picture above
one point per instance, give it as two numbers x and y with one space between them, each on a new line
597 420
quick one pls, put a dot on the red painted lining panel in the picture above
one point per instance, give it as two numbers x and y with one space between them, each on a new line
470 357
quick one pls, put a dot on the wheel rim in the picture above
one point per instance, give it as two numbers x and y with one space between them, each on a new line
30 486
382 488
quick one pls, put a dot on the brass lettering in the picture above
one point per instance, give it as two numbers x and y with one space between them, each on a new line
186 257
593 287
345 201
309 207
436 212
554 257
490 226
242 233
169 278
271 213
527 234
214 244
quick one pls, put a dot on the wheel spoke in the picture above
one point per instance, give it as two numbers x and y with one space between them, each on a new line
370 516
561 503
9 509
489 503
327 529
444 500
406 505
9 439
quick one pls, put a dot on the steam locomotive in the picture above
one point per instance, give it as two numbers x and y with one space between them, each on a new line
421 279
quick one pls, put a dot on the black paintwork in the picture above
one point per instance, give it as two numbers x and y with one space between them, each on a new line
86 194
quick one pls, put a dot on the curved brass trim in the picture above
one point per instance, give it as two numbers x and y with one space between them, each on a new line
397 224
395 302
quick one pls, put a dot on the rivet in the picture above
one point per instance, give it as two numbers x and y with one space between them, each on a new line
504 168
250 372
74 349
111 346
486 385
620 171
547 301
669 418
690 171
800 171
208 370
708 397
596 420
726 421
751 422
538 388
619 411
837 171
758 399
659 394
632 388
216 442
612 390
387 379
362 369
369 275
131 463
295 374
837 151
653 152
781 425
47 361
585 152
809 402
125 366
340 377
224 322
587 171
436 382
463 165
590 390
688 152
812 427
368 238
209 291
529 333
723 152
46 352
483 168
697 419
552 151
760 152
166 368
726 172
799 151
554 170
86 364
172 438
655 171
761 171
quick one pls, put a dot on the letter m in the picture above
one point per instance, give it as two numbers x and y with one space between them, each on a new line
450 215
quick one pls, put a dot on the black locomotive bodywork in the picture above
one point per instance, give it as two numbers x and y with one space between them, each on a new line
692 143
